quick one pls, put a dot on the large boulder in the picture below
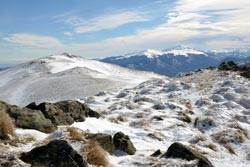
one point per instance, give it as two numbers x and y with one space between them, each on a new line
64 112
123 143
104 140
58 153
178 150
228 66
76 109
27 118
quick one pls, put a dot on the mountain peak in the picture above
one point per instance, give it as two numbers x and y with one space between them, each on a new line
183 51
150 53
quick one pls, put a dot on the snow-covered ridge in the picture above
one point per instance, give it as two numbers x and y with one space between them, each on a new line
183 51
176 51
150 53
65 61
64 76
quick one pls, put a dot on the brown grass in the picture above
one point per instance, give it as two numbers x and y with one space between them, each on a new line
122 118
7 127
184 117
212 146
95 154
228 136
197 139
229 148
75 134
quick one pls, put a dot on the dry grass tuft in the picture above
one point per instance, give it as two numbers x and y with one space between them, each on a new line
122 118
184 117
228 136
212 146
229 148
75 134
7 127
197 139
95 154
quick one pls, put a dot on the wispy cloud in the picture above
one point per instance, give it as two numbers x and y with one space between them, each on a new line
33 40
215 24
188 21
67 33
105 22
228 18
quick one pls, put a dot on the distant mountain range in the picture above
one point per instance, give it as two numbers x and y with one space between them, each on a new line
176 60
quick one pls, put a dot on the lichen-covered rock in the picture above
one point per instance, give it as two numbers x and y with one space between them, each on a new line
65 112
55 114
123 143
105 141
27 118
178 150
58 153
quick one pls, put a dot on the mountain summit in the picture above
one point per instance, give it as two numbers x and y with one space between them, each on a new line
183 51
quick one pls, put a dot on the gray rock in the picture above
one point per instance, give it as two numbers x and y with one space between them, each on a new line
228 65
104 140
58 153
178 150
65 112
27 118
123 143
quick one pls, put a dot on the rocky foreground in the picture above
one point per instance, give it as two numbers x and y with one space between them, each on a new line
199 119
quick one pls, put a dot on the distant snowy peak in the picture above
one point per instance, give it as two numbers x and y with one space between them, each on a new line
150 53
176 51
183 51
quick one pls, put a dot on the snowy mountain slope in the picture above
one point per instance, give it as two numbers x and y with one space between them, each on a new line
168 62
64 76
208 111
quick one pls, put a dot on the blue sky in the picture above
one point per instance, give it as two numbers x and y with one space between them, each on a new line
99 28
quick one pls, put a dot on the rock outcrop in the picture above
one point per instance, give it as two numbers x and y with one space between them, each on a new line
64 112
27 118
178 150
123 143
58 153
243 68
105 141
228 66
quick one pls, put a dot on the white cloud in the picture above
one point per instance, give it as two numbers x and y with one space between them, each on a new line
202 5
105 22
190 19
217 24
33 40
67 33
